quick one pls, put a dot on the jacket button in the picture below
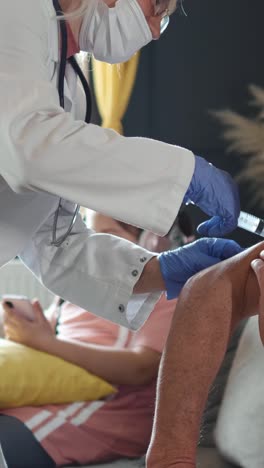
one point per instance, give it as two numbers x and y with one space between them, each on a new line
143 259
121 308
135 273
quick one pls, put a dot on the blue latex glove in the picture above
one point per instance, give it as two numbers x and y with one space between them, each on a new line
215 192
177 266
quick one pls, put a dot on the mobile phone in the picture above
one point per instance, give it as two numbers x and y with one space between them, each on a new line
21 304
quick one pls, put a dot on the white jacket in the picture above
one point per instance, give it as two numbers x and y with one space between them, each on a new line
46 152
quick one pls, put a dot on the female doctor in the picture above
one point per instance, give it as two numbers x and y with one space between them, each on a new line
48 152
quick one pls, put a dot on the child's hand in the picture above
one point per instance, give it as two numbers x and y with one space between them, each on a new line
35 334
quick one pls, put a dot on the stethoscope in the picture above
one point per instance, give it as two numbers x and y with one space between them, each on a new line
57 242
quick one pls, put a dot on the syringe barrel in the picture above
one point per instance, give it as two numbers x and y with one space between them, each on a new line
251 223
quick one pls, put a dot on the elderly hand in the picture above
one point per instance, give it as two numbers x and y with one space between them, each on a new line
30 333
215 192
177 266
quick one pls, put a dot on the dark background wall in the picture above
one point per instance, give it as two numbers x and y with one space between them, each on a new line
203 62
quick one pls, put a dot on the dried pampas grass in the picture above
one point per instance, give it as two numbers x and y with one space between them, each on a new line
246 137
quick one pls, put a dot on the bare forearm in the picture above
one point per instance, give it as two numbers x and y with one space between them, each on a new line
151 279
122 366
208 310
185 378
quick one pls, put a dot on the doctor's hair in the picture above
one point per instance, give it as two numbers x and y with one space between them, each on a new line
77 12
182 8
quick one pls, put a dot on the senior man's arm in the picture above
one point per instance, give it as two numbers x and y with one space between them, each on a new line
209 308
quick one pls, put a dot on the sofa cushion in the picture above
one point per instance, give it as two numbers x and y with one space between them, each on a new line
35 378
217 391
240 428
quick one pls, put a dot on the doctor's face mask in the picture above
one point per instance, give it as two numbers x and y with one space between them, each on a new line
114 34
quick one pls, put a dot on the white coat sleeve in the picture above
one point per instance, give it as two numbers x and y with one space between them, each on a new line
136 180
95 271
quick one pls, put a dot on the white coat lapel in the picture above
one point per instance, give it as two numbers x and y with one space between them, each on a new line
53 41
54 60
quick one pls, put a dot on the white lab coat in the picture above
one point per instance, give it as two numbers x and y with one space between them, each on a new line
45 153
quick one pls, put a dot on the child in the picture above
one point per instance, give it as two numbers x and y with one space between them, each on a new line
89 432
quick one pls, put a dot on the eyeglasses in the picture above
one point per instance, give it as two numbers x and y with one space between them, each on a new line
165 8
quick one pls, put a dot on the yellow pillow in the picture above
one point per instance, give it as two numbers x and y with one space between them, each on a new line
30 377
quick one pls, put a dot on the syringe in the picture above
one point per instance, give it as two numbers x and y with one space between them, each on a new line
251 223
